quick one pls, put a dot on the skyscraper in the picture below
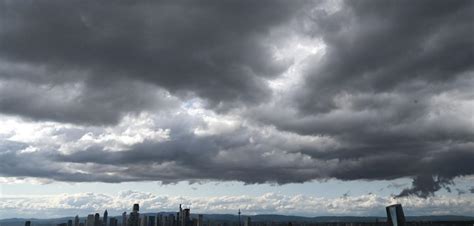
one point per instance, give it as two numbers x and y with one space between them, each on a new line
395 215
179 216
105 218
69 223
113 221
124 219
76 220
144 221
97 219
134 219
151 220
27 223
187 217
157 219
90 220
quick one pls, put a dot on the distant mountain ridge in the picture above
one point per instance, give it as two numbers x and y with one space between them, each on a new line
255 218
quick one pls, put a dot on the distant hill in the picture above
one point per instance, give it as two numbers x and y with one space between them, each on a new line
255 218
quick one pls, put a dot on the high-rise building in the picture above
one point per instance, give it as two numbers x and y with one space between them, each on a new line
104 221
69 223
90 220
76 220
97 219
151 220
134 219
144 221
187 217
183 217
172 221
395 215
161 220
248 222
124 219
27 223
113 221
157 219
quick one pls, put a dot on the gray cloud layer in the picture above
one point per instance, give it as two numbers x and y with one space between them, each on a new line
390 97
216 50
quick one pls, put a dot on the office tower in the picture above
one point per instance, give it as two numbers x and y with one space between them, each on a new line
90 220
395 215
162 220
69 223
187 217
136 207
124 219
151 220
81 224
248 222
179 216
144 221
113 221
97 219
76 220
27 223
104 221
134 219
157 220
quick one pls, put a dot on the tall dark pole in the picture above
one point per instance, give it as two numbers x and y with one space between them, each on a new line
239 218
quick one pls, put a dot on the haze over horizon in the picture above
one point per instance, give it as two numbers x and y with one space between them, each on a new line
306 107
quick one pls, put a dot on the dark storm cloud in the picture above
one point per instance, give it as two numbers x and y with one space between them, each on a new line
375 47
388 99
425 186
224 158
82 104
219 51
377 89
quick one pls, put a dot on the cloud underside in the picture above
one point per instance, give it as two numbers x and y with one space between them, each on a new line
114 92
269 203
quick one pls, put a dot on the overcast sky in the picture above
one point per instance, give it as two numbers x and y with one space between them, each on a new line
291 107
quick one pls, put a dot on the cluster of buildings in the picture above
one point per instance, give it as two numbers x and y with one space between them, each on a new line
181 218
395 217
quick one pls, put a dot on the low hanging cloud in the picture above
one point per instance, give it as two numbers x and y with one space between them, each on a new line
173 91
270 203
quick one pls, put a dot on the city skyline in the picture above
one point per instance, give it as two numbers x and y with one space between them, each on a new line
394 217
304 107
